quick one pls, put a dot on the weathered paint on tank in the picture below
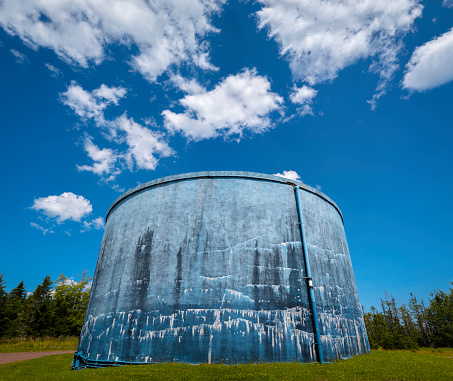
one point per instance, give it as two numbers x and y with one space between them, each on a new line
208 267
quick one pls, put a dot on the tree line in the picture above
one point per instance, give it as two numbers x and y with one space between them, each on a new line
414 325
52 309
58 309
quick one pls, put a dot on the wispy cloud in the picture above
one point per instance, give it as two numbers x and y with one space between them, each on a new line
431 64
42 229
321 37
20 58
98 224
55 72
78 31
104 160
239 103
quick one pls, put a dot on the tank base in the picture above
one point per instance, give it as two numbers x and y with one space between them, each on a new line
81 362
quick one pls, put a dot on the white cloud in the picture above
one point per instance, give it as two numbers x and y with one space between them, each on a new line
20 58
78 31
67 206
104 159
304 97
91 105
98 224
144 144
447 3
431 64
110 94
189 86
322 37
55 71
240 102
292 175
39 227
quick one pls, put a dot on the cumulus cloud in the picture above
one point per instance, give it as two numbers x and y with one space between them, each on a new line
189 86
78 31
431 64
292 175
240 102
110 94
304 97
104 159
143 144
89 105
322 37
67 206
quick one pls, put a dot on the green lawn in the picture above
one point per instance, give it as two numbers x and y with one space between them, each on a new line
379 365
38 345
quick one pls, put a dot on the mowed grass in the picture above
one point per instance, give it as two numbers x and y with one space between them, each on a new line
379 365
38 345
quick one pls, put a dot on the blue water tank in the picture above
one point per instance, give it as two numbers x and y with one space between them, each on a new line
209 267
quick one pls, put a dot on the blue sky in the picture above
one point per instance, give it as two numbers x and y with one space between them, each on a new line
353 96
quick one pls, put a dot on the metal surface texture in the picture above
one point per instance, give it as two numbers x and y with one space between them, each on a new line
209 267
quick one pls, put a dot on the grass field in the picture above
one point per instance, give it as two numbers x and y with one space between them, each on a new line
38 345
426 364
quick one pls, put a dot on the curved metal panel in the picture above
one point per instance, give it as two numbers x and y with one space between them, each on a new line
211 269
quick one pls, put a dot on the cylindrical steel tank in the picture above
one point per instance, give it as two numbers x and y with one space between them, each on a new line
209 267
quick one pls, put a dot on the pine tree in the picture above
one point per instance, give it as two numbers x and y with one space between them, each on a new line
40 310
3 307
418 311
15 304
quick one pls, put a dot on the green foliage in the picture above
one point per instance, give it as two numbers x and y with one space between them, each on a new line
40 310
28 344
379 365
418 312
439 318
3 307
15 308
402 327
393 328
70 302
47 311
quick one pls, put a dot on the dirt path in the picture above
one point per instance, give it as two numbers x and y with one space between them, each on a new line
20 356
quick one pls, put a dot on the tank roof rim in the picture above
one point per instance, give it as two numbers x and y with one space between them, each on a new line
220 174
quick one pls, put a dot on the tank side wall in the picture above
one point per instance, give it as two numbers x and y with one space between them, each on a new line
340 312
209 270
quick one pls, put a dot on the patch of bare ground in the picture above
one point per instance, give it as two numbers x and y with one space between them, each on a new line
20 356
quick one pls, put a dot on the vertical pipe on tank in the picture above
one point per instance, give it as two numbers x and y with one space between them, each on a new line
311 294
